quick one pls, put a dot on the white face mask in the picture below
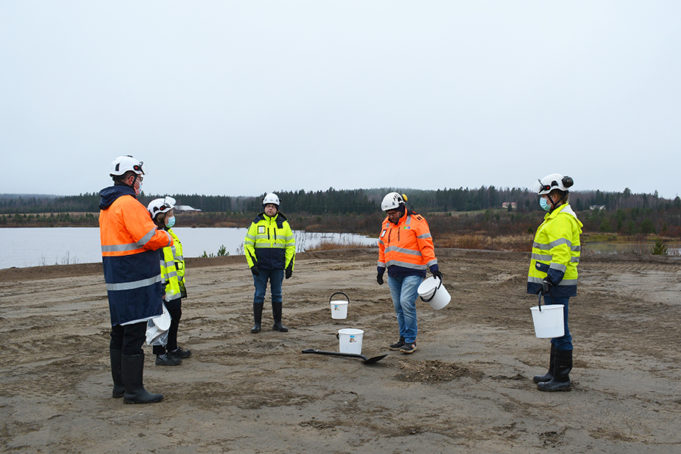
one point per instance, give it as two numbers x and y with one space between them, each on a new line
170 222
137 185
546 206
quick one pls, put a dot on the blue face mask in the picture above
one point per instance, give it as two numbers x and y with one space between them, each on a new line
544 204
170 222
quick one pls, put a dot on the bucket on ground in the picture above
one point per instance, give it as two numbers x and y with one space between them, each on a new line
350 340
548 320
339 306
434 293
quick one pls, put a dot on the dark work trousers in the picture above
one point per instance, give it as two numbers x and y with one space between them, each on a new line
128 338
175 309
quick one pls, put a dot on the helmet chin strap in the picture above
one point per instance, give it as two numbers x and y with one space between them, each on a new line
554 205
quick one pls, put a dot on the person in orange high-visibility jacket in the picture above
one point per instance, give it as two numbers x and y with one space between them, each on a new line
130 243
405 249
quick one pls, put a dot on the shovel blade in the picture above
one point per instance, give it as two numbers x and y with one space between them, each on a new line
364 359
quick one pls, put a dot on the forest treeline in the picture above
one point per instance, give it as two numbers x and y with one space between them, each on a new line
486 209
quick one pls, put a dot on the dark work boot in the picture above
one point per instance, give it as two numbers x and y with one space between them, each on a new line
132 373
166 359
276 312
257 317
118 388
180 354
561 371
549 375
397 345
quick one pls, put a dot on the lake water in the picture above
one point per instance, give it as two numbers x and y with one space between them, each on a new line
22 247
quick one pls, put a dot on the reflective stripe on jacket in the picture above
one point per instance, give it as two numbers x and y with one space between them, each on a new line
270 243
171 264
130 256
406 248
555 253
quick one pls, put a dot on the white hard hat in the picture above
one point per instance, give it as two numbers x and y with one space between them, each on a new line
271 198
158 206
127 163
554 181
158 326
393 200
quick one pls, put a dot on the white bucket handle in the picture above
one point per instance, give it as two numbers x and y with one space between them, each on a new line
434 291
339 293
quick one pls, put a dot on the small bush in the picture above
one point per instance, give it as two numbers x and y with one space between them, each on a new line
659 248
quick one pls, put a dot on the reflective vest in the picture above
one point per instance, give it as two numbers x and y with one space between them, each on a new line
555 253
130 256
270 243
172 268
406 248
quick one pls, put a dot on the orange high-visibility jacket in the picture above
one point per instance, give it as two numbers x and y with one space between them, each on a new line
406 248
132 269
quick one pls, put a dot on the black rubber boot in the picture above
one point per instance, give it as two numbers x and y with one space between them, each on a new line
276 312
118 388
257 317
561 371
132 373
549 375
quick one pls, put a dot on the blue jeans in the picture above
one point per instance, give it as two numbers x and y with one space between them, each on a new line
565 342
276 277
404 293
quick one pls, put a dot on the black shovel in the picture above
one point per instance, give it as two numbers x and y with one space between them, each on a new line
365 360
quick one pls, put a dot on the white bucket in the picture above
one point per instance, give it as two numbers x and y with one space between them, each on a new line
433 292
339 307
350 340
548 322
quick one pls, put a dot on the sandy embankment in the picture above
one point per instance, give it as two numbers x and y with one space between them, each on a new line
467 389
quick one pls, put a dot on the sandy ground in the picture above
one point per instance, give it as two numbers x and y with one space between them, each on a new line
467 389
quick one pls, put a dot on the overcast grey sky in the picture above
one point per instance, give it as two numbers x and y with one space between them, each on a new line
243 97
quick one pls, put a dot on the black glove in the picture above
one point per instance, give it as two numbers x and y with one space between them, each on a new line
379 278
255 270
546 286
289 270
436 272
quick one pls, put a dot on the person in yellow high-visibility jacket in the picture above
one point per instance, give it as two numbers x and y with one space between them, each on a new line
553 271
172 273
270 250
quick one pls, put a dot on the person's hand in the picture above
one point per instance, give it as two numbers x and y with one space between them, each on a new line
379 278
546 286
289 270
255 270
435 271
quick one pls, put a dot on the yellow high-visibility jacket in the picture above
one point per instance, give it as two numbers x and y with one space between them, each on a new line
555 253
270 243
172 268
